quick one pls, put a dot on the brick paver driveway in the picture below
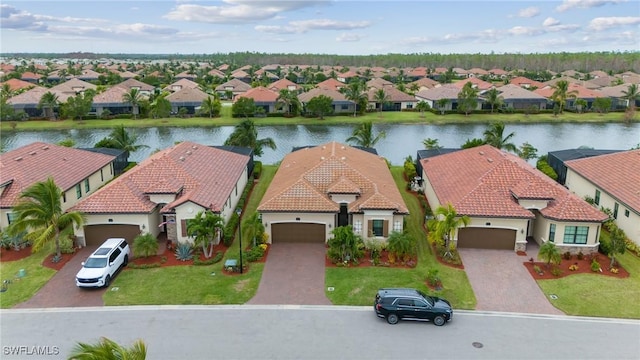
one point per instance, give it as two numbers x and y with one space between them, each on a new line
501 282
293 275
61 290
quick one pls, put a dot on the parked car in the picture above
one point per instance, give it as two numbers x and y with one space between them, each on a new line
410 304
103 264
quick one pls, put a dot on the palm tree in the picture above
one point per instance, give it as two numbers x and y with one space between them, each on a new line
442 104
160 107
355 92
120 138
49 101
245 134
211 106
430 143
39 214
494 136
108 349
203 228
631 95
288 99
133 98
493 98
363 135
562 93
253 228
422 106
549 253
447 222
381 97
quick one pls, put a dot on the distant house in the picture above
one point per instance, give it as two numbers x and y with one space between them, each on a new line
331 84
613 182
581 92
182 84
78 173
232 88
340 103
515 97
317 189
526 83
447 91
162 193
557 159
508 202
262 98
112 98
396 99
187 98
283 84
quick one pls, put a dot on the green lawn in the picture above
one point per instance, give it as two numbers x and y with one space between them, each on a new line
598 295
357 286
22 289
205 285
392 117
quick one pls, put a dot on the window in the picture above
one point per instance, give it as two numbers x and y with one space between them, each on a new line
345 107
357 226
576 234
64 197
101 175
626 213
597 199
11 217
236 189
409 106
552 232
397 226
87 188
78 191
377 227
615 210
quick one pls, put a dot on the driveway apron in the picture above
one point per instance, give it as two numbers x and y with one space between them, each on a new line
501 282
61 290
293 275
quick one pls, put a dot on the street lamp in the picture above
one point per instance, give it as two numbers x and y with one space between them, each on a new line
239 212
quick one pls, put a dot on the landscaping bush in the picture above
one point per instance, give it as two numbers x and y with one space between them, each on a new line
257 169
184 252
230 229
546 169
254 254
66 245
595 265
215 259
566 255
605 243
145 245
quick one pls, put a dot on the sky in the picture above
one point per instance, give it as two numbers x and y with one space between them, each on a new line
354 27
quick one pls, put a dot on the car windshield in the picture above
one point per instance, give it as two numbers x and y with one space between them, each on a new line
429 299
95 262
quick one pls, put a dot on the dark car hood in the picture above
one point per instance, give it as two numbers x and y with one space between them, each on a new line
441 303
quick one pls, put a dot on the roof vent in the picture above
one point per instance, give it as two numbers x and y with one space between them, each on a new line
321 157
181 158
344 158
481 152
46 147
490 160
18 158
188 152
32 153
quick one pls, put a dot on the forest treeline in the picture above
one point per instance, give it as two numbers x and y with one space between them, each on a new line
614 62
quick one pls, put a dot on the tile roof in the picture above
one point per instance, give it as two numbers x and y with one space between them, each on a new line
24 166
476 83
393 94
201 174
511 91
17 84
284 84
187 95
29 97
234 85
487 182
447 91
333 94
331 84
306 177
260 94
182 84
580 91
618 174
525 82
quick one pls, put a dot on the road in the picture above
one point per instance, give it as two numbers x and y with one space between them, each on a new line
314 332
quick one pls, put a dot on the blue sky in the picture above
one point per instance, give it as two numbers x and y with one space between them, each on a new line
319 26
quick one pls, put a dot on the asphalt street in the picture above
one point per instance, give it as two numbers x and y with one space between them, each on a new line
314 332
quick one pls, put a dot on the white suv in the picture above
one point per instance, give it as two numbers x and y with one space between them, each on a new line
103 264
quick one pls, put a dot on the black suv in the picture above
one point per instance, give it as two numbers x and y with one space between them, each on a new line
397 304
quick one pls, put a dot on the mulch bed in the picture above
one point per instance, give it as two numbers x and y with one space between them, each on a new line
584 267
13 255
366 261
57 265
168 258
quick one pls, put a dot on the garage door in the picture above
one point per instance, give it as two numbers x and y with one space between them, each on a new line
486 238
96 234
297 232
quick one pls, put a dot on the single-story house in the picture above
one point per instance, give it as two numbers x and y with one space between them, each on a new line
447 91
396 99
262 98
557 159
340 103
161 193
508 202
232 88
112 98
188 98
78 173
317 189
613 181
515 97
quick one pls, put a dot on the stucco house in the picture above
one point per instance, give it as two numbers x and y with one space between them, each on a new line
340 103
508 202
163 192
262 98
613 181
317 189
78 173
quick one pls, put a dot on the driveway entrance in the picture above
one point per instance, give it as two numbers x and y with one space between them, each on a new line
61 289
501 282
293 275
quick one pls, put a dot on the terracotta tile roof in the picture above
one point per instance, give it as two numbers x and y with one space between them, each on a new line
618 174
36 162
182 84
335 95
284 84
187 95
196 173
477 83
306 177
581 92
135 84
525 82
447 91
29 97
17 84
393 94
28 75
512 91
379 83
260 94
426 83
234 85
485 181
331 84
112 95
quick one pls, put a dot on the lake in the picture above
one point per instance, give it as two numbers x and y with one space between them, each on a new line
400 142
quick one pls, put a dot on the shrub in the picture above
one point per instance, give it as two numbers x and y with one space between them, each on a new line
215 259
573 267
257 169
632 247
254 254
145 245
595 265
544 166
566 255
66 245
605 243
555 271
410 170
580 255
184 252
432 276
537 269
230 229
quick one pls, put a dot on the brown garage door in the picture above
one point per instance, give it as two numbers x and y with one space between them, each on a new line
486 238
96 234
297 232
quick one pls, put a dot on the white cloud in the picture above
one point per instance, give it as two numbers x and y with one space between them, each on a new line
585 4
550 22
303 26
524 30
529 12
348 37
603 23
552 25
12 18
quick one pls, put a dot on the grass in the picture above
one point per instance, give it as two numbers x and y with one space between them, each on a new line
193 284
22 289
356 286
598 295
395 117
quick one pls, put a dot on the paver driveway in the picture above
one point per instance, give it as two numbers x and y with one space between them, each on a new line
293 275
61 290
501 282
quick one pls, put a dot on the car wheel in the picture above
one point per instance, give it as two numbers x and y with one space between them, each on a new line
107 281
126 261
439 320
392 319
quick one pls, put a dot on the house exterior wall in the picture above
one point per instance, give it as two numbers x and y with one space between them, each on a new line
541 235
629 224
232 201
185 211
328 219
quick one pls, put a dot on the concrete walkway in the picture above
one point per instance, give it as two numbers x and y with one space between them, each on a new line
501 282
293 275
